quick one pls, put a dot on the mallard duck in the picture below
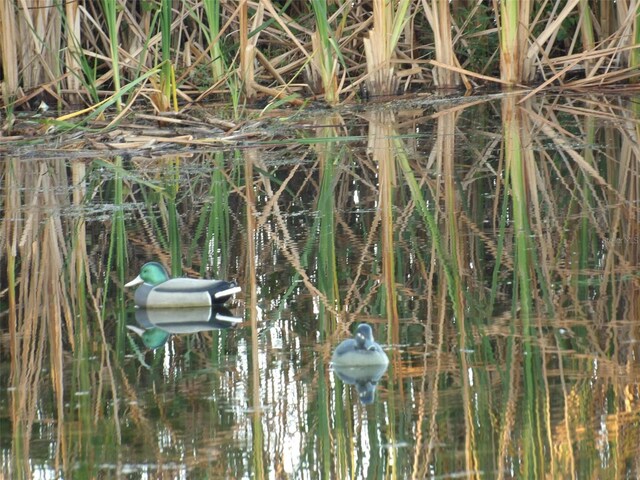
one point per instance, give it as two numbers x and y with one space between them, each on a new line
360 350
160 291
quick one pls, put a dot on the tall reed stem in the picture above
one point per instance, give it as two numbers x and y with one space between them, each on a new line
112 26
212 9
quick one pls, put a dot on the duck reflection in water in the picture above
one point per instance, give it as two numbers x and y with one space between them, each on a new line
155 326
360 361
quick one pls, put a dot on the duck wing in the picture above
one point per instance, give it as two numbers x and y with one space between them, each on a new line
190 292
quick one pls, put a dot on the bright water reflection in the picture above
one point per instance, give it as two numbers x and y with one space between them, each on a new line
492 246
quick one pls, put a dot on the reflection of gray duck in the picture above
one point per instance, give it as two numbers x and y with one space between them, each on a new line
364 377
360 350
160 291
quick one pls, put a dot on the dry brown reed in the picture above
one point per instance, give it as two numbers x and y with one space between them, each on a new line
380 146
64 55
42 310
439 17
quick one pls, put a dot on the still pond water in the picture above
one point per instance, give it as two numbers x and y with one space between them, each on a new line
492 245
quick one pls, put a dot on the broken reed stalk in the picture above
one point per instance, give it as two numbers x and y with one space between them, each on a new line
246 72
439 18
166 72
586 26
325 52
73 53
379 46
514 21
634 56
8 51
213 12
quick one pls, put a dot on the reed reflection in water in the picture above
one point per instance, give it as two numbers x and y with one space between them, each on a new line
492 245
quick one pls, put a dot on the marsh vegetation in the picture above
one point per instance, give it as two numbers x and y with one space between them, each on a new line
169 54
491 240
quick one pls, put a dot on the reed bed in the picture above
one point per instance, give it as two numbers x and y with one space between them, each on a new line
171 53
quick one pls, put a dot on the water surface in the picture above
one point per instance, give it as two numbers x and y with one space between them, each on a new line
492 245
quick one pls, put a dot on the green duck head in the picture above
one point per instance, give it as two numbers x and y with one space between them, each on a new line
152 273
152 338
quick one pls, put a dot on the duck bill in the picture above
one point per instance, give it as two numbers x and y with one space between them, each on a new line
226 293
135 281
369 344
135 329
227 318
